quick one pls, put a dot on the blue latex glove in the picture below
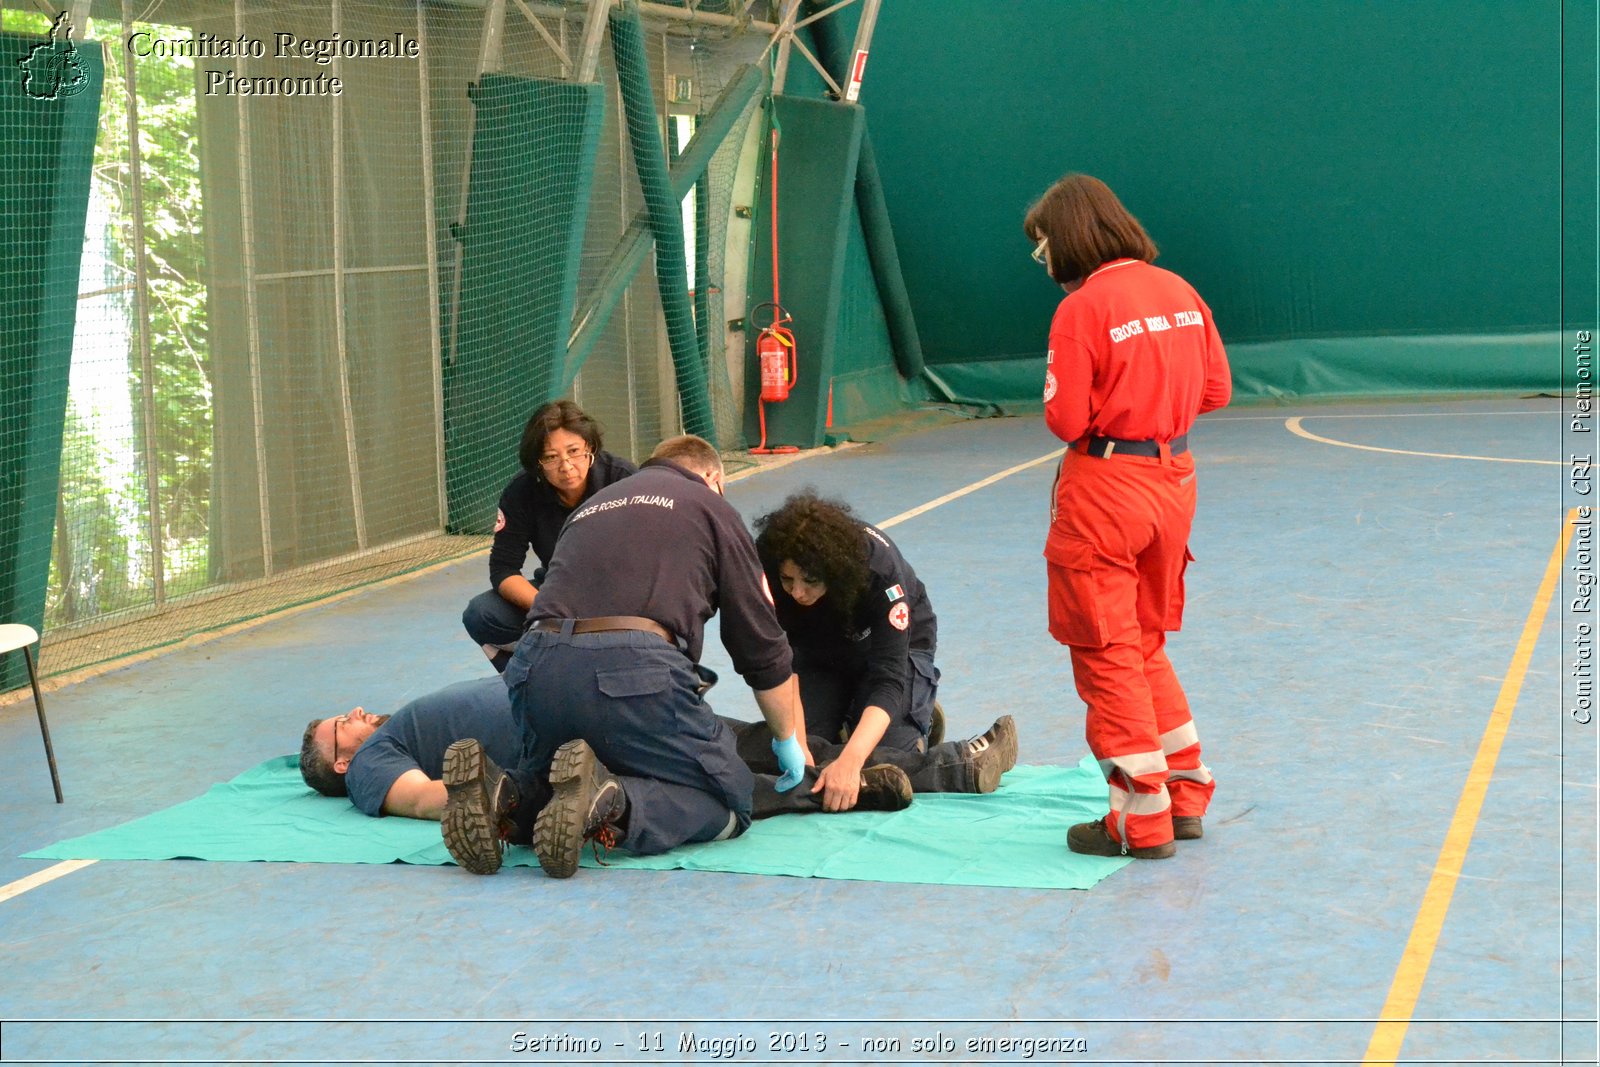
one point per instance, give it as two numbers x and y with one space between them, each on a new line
791 760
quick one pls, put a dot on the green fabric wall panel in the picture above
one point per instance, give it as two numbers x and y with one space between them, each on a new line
1580 121
817 156
533 156
44 204
865 379
1318 169
1320 368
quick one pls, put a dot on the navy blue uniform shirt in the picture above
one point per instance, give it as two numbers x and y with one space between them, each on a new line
531 515
664 545
416 736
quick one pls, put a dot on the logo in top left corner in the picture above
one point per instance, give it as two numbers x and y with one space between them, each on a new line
50 70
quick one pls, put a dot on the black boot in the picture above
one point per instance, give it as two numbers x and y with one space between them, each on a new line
884 787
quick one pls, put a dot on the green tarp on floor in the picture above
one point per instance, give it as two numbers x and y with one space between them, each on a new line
1015 836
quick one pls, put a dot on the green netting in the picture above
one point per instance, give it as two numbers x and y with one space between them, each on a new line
48 113
533 159
272 298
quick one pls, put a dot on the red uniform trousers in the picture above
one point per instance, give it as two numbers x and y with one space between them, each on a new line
1116 552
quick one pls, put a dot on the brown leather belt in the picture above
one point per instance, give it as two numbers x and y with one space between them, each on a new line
607 624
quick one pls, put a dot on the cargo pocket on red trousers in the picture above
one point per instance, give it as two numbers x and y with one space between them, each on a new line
1076 614
1176 598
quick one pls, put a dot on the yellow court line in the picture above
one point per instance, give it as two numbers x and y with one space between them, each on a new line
1384 1047
964 490
39 878
1294 427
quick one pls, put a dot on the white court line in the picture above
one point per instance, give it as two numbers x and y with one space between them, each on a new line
1376 415
964 490
1294 427
50 874
39 878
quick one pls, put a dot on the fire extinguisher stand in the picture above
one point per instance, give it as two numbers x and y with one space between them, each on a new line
775 345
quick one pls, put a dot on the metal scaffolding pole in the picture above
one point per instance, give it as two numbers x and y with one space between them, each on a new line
347 416
431 244
141 303
594 34
858 52
489 50
247 259
784 37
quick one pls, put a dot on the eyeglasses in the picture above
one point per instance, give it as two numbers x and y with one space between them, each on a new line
1039 250
345 719
576 456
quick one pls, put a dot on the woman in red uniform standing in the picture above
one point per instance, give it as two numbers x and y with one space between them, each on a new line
1134 357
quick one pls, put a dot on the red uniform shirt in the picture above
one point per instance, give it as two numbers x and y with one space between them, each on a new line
1133 354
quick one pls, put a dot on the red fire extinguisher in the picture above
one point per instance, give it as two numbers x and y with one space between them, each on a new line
775 352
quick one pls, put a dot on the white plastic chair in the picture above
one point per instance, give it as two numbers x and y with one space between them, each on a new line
14 635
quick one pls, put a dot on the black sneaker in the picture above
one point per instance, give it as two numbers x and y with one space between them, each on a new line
586 804
1093 839
1187 828
477 808
884 787
992 753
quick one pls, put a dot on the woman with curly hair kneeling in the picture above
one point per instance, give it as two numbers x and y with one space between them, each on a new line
863 634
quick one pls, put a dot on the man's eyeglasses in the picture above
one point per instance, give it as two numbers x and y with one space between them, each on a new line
576 456
1039 250
337 722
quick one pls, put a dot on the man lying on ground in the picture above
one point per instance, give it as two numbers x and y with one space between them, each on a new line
394 764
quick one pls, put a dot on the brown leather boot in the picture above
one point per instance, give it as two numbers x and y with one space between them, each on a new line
1093 839
1187 828
479 800
992 754
587 804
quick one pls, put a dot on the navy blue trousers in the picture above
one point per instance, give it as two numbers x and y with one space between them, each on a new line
835 699
490 619
636 700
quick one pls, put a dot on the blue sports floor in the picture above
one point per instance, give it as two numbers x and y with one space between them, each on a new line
1404 826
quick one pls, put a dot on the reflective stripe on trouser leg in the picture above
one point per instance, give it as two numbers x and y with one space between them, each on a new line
1121 731
1189 780
1141 807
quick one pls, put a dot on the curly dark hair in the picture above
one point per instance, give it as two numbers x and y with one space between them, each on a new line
556 415
315 768
824 539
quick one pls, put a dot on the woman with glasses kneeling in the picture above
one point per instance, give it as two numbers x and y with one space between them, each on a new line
562 466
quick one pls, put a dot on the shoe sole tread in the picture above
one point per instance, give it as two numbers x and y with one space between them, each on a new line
465 822
558 831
